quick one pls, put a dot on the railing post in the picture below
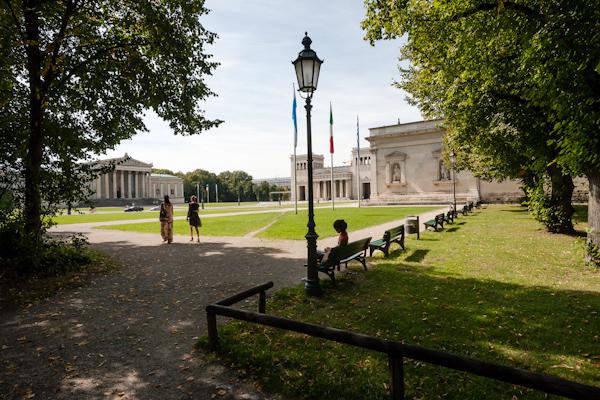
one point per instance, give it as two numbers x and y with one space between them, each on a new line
213 334
418 228
396 377
262 302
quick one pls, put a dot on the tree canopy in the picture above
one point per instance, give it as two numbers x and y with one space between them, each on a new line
76 78
517 82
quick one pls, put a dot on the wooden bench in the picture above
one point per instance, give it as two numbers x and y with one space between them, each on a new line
449 217
343 255
390 236
470 206
433 223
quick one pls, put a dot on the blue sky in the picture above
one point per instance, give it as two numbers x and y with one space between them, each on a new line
257 42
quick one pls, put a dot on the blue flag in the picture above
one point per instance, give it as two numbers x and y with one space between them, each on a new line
294 119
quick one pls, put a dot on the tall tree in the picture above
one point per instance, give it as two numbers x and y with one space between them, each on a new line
512 78
234 183
85 72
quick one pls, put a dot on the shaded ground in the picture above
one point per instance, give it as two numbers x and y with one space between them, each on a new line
130 335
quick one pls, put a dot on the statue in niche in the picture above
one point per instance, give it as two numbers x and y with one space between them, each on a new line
444 172
396 174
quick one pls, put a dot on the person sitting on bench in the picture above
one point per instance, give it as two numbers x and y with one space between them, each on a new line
340 227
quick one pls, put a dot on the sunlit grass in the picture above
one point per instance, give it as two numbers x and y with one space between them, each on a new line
237 225
128 216
293 226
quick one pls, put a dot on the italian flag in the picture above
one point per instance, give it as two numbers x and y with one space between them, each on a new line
330 129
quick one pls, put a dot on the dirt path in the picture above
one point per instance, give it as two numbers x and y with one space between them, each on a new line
130 334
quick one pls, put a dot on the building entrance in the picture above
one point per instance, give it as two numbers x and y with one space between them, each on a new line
366 190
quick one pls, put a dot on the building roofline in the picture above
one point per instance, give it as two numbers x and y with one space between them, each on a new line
408 123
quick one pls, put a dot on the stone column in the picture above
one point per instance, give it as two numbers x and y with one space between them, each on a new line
105 191
98 188
144 195
123 195
114 184
137 184
374 185
181 190
130 188
169 189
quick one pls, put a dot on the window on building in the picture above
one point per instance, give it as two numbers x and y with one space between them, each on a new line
172 192
157 191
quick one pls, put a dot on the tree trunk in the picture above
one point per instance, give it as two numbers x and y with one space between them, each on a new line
562 192
33 158
594 208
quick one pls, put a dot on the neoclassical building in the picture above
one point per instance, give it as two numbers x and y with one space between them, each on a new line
403 164
132 181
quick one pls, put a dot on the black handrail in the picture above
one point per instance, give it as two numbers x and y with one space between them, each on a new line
396 351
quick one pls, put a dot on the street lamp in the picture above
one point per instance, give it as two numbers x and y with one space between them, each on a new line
453 160
307 67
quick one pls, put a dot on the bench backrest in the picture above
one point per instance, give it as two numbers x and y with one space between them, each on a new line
394 233
342 252
449 214
439 218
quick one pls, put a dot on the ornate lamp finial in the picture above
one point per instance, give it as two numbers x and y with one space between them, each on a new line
306 41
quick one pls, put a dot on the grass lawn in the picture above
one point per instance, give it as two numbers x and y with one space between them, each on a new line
128 216
581 216
230 204
293 226
238 225
494 286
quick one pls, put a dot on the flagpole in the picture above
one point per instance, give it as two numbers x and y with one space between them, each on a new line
295 145
331 186
358 159
295 185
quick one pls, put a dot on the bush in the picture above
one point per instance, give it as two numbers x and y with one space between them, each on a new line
40 256
545 210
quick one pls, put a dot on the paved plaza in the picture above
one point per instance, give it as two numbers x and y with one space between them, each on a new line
130 334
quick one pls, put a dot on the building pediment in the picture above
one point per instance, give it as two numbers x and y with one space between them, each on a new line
125 161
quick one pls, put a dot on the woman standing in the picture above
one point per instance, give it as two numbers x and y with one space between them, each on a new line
166 220
194 218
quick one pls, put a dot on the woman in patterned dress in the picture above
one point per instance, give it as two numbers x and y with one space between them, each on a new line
194 218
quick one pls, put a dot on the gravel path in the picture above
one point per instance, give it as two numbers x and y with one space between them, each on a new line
130 334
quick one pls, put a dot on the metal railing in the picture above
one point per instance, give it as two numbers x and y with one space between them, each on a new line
396 351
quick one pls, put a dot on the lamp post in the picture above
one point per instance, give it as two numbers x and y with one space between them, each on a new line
307 67
202 195
453 160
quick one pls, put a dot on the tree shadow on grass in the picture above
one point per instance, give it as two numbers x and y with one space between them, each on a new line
417 256
453 229
536 328
515 210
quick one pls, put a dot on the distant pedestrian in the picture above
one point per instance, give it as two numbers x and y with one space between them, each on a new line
194 218
166 220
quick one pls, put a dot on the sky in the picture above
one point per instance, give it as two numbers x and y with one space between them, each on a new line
257 41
